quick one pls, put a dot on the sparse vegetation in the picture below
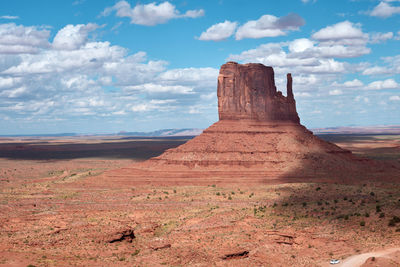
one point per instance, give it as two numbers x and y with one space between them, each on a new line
159 214
378 208
395 220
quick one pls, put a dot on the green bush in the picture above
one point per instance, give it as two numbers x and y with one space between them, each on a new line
394 221
378 208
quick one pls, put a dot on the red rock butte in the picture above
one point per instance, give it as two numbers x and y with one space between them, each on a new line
257 139
248 92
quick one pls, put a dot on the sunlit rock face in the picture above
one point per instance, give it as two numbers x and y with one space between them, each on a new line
248 91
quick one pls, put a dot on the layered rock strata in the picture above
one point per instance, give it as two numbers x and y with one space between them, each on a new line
249 92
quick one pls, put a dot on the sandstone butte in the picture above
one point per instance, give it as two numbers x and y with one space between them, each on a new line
258 139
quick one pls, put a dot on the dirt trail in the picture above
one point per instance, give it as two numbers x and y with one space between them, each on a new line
358 260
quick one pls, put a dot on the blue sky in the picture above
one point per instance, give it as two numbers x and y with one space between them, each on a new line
96 66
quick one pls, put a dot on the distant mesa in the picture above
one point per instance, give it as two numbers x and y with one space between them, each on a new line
257 139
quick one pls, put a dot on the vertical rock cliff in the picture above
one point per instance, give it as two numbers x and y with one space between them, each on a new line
249 92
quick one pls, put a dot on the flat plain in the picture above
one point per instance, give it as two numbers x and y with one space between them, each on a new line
58 209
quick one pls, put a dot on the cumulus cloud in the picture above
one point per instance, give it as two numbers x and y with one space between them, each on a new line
384 10
344 32
219 31
18 39
306 61
314 62
72 37
300 45
150 14
394 98
76 76
375 71
269 26
380 85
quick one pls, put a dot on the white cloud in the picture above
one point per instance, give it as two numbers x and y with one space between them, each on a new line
342 32
341 40
269 26
209 96
381 37
20 39
150 14
93 78
72 37
353 83
272 54
190 76
306 79
300 45
392 66
380 85
15 92
341 51
385 10
375 71
394 98
158 88
219 31
9 17
88 58
302 94
7 82
335 92
152 105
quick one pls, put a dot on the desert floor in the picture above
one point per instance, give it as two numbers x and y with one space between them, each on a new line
57 209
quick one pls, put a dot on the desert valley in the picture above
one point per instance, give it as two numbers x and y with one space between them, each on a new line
248 191
200 133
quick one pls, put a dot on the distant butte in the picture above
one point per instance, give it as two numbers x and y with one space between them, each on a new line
258 139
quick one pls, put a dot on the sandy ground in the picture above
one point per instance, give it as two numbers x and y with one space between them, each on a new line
359 260
63 212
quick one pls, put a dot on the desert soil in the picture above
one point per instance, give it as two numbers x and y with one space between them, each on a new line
62 211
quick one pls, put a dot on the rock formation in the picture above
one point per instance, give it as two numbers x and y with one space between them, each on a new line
249 92
258 138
